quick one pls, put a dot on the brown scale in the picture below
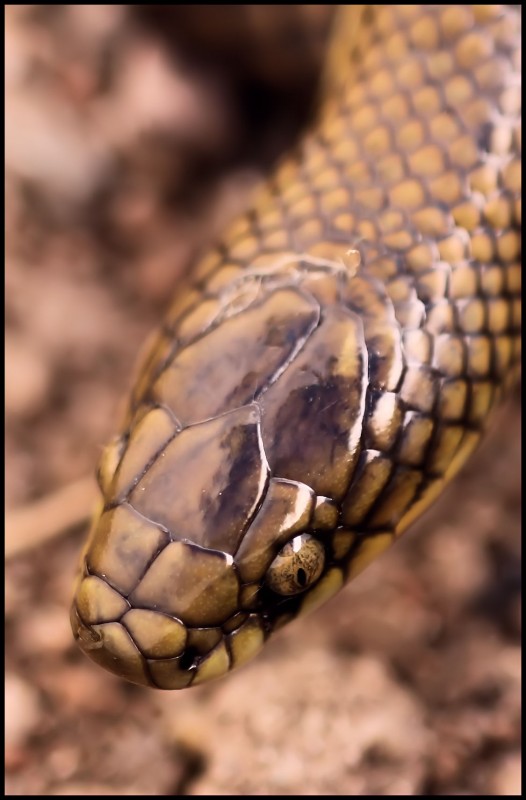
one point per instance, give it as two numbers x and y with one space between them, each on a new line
334 362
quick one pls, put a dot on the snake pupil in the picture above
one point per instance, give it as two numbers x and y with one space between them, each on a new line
301 577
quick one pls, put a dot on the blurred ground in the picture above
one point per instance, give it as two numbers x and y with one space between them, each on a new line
122 163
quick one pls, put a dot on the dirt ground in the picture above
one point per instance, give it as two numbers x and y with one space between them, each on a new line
123 161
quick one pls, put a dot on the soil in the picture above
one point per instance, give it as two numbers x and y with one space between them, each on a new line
123 161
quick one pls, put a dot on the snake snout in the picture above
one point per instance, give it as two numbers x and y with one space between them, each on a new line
140 646
158 612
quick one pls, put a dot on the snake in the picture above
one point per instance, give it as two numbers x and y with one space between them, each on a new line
331 363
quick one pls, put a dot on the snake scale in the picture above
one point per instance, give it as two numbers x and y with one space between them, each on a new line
333 362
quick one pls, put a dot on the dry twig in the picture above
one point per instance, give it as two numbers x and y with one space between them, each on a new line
49 517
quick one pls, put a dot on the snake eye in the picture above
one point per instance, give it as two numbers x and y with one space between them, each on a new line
297 566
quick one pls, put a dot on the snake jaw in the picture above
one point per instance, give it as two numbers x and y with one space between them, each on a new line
140 644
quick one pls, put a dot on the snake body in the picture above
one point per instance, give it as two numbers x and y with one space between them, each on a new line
333 363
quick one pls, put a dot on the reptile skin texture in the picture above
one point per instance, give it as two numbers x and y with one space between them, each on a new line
334 361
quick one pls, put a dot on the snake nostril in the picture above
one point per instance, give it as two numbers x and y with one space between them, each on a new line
189 658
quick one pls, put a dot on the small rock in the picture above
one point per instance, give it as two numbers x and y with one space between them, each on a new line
27 378
506 779
82 688
22 711
46 630
64 762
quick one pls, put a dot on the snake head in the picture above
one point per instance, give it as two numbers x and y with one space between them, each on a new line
224 501
176 593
